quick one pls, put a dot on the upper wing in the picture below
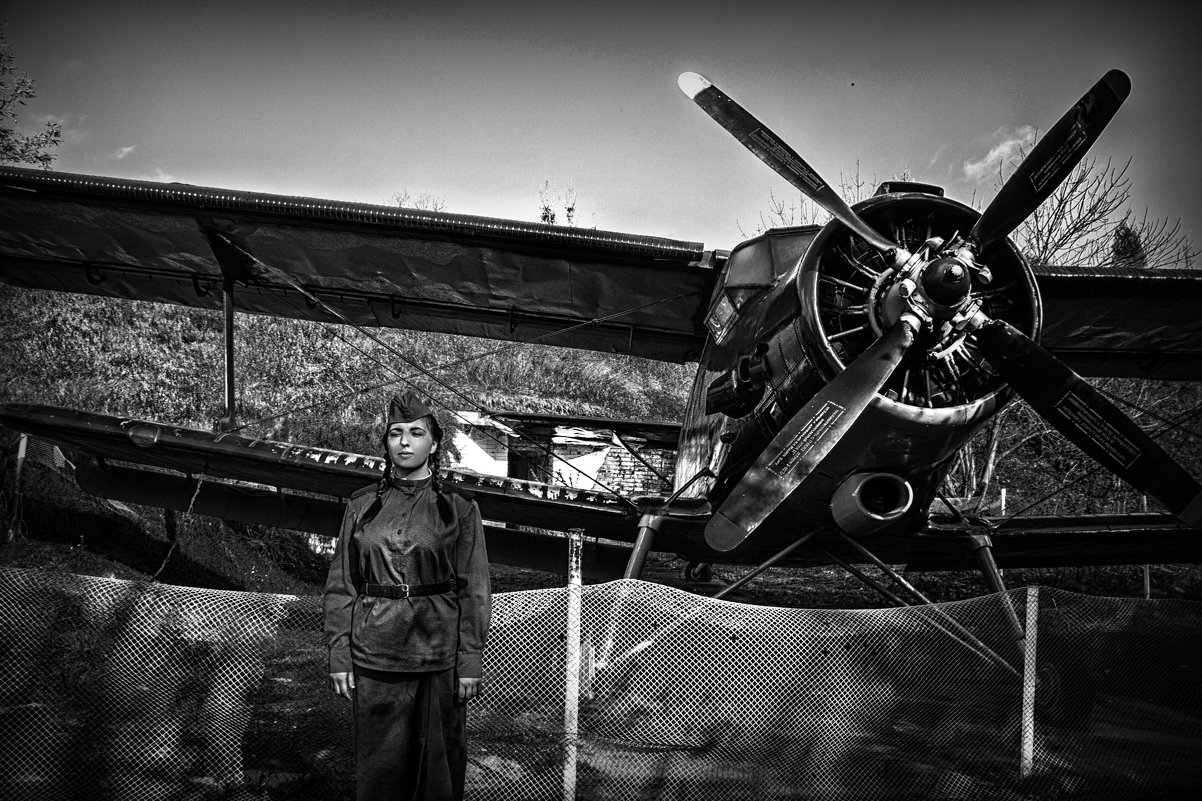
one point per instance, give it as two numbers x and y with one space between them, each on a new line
501 279
1124 322
377 265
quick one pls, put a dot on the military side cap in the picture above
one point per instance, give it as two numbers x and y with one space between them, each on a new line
407 408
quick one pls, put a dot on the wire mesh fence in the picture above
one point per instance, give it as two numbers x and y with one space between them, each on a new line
129 690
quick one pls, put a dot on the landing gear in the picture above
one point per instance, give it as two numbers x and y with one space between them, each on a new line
648 525
1065 688
699 571
982 552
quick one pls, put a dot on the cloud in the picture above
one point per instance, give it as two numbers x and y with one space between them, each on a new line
156 174
1008 149
72 125
938 155
121 152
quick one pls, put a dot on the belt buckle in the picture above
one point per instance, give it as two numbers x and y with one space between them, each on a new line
404 589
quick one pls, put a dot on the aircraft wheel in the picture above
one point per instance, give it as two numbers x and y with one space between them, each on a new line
1065 687
699 571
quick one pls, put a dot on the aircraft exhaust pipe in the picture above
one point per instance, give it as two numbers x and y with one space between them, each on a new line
867 502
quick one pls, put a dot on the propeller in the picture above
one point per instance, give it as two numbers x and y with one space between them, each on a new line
1052 158
1057 393
760 140
807 438
1063 398
1091 422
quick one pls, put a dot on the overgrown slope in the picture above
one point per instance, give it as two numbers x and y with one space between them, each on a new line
298 381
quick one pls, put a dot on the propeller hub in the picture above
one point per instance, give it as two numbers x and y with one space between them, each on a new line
946 281
932 289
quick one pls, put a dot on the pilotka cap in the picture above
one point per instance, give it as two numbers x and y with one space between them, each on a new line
407 408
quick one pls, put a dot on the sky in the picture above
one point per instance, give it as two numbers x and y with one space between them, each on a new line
481 104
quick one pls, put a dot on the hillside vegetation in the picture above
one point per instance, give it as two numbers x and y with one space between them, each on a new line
298 381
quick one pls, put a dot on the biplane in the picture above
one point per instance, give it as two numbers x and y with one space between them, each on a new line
841 366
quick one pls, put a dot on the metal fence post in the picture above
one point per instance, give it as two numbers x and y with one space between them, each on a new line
22 445
10 533
1026 760
571 694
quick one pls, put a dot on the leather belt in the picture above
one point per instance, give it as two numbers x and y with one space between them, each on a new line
405 590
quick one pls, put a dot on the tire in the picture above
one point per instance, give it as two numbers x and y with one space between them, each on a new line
1065 686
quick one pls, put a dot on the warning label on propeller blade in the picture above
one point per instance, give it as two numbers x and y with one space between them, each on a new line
812 433
773 147
1065 156
1098 430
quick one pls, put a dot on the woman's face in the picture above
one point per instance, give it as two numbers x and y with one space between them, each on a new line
409 446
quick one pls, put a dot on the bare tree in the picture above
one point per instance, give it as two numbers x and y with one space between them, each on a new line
551 201
1079 223
424 201
800 210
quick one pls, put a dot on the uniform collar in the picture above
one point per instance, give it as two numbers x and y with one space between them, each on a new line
410 486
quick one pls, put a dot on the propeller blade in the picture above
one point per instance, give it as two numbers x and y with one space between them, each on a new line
757 138
1053 158
1089 420
807 439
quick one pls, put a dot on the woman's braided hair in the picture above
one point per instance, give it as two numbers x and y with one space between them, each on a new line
434 462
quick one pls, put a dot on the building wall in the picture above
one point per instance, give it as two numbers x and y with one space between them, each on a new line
624 474
481 450
484 449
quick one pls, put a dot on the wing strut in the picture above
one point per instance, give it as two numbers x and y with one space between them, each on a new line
235 266
228 422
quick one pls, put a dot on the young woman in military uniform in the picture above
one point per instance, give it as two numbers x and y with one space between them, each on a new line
407 609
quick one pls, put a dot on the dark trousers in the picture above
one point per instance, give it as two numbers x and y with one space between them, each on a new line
409 736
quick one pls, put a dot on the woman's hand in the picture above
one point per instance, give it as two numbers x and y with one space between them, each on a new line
344 684
469 689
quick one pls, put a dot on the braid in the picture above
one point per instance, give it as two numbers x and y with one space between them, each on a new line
435 460
378 502
386 481
435 464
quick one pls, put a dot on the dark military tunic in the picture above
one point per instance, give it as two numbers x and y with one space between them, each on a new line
406 653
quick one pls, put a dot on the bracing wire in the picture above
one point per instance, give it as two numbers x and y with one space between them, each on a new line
453 364
1164 429
429 373
1173 425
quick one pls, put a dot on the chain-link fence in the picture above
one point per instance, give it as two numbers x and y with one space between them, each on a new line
126 690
